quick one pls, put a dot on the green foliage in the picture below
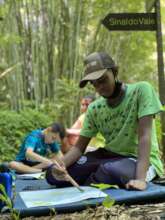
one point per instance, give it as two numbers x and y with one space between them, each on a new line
7 39
108 202
66 102
158 129
68 98
51 44
4 10
8 203
67 94
103 186
14 126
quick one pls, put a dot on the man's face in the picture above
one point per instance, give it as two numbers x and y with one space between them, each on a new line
105 85
51 137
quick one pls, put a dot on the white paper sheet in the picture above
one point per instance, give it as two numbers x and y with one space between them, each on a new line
39 175
59 196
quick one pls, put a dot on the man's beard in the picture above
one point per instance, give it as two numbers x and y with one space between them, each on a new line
117 90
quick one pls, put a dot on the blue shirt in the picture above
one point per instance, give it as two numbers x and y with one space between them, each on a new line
35 141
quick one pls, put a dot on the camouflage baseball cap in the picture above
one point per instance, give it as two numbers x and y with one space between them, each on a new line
96 64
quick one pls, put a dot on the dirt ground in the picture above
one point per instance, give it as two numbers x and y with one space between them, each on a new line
116 212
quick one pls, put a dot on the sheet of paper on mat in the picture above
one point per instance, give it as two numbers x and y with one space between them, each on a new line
59 196
31 175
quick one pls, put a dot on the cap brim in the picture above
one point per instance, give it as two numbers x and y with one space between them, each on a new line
92 76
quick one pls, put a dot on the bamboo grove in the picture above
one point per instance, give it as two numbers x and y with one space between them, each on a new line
43 43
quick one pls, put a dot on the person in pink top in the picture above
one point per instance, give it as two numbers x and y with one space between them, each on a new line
74 132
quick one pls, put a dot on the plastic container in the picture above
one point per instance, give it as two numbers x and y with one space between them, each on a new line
6 181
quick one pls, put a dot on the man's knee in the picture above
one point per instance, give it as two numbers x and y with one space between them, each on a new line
114 172
102 175
121 170
105 174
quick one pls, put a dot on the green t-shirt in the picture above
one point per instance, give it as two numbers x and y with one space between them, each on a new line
97 141
118 125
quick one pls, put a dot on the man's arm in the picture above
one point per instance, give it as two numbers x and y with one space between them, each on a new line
75 152
144 137
71 157
58 157
145 127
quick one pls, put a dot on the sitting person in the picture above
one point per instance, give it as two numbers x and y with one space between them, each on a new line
32 156
125 116
74 132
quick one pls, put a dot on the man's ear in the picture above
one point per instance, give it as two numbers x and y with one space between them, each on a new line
115 71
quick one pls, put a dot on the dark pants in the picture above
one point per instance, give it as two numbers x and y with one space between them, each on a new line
99 166
30 163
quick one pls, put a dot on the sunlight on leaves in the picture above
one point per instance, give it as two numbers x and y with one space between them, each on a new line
8 203
108 202
103 186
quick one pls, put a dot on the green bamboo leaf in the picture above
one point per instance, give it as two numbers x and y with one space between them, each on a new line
103 186
2 198
108 202
2 189
9 202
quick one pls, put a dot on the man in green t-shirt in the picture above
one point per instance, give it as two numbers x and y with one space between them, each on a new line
124 115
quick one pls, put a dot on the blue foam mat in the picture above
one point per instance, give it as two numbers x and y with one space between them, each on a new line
153 193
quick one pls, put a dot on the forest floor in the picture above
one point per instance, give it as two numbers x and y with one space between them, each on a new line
116 212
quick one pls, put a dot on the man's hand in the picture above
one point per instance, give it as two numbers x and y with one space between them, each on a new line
59 172
136 184
58 159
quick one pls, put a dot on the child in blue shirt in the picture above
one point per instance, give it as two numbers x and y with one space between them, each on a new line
33 154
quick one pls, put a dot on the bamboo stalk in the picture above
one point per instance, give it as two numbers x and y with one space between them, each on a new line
8 70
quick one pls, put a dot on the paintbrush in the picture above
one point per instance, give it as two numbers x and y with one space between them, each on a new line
70 179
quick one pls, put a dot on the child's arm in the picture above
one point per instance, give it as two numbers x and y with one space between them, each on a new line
30 154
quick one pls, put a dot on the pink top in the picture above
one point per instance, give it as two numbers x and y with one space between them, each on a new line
74 131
